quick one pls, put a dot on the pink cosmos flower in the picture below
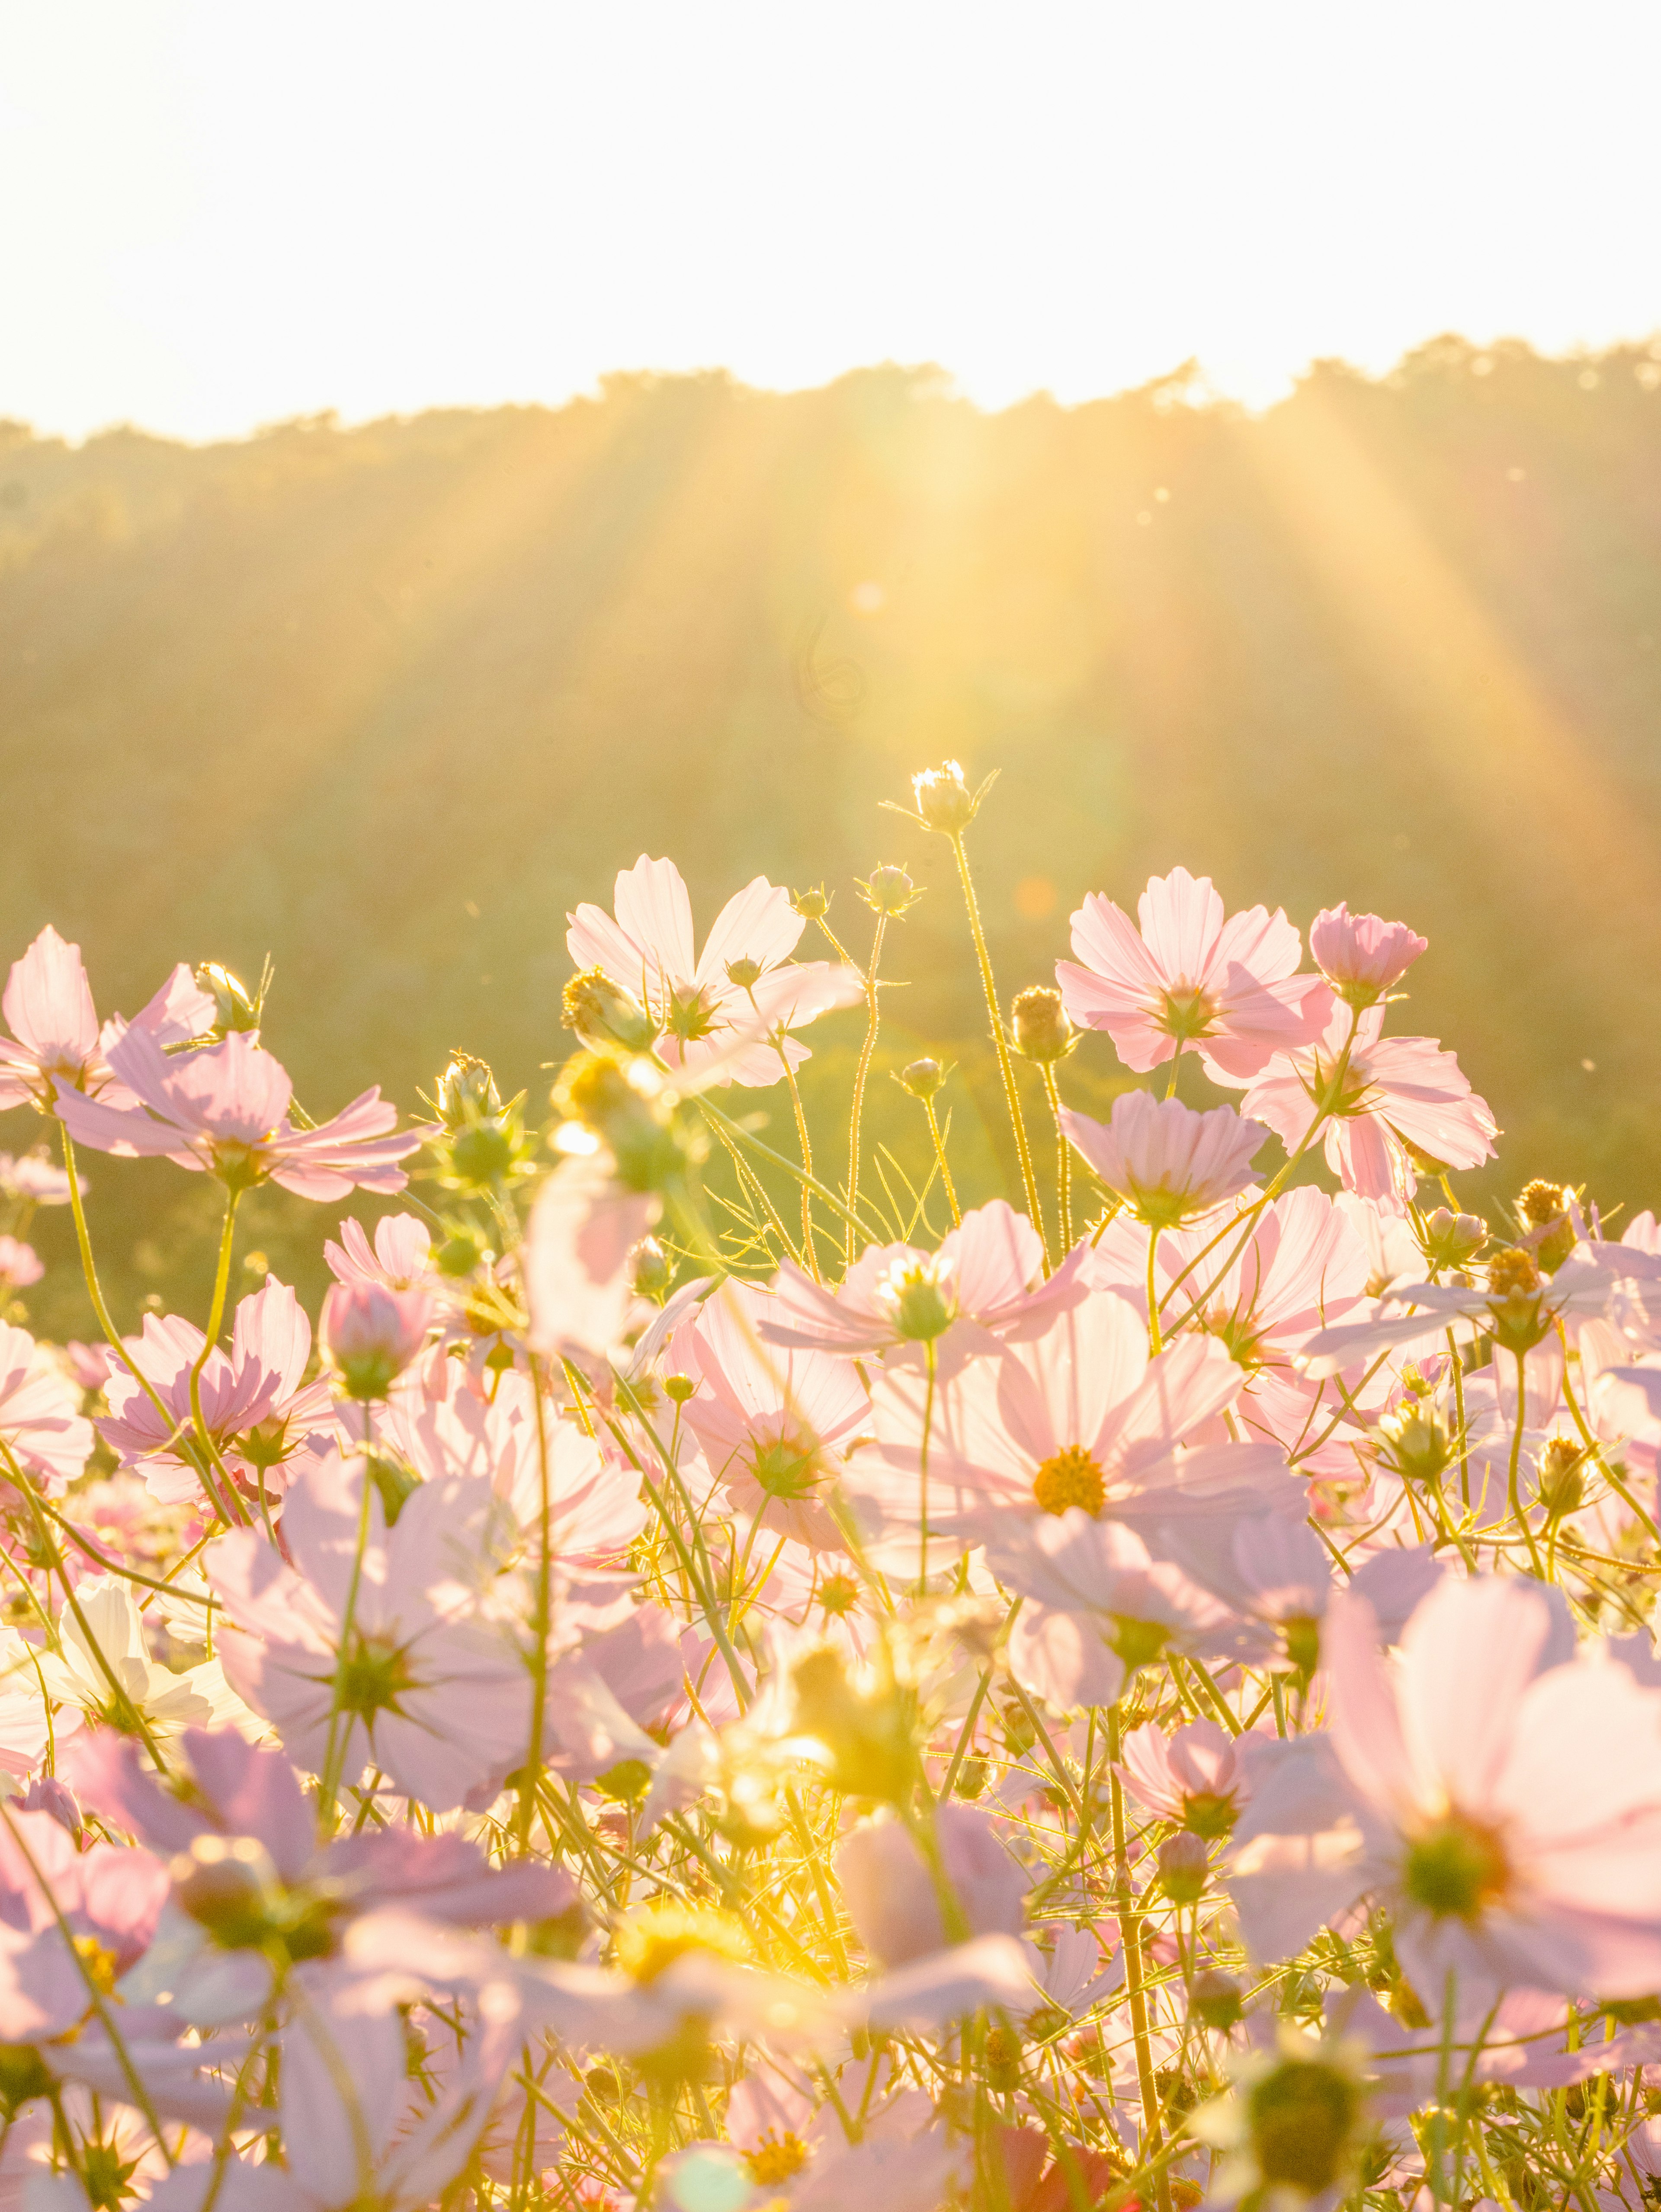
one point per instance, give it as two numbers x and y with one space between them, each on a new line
36 1180
1403 1101
1098 1606
1167 1162
56 1040
1361 956
1076 1414
371 1334
989 1270
401 1259
1228 989
111 1896
40 1418
770 1420
575 1262
890 1894
1505 1809
225 1108
1197 1776
20 1265
255 1404
1302 1267
438 1696
745 979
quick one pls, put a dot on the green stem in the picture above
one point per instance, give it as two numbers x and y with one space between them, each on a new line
1063 1158
808 1254
542 1626
334 1757
216 1320
112 1335
1155 1344
1130 1938
1006 1066
922 1469
849 1247
951 1188
736 1130
1513 1497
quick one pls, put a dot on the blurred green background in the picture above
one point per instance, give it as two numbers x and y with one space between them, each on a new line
384 703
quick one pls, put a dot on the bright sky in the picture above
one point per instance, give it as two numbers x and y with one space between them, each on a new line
219 213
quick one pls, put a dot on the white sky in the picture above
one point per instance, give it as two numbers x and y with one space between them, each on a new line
217 213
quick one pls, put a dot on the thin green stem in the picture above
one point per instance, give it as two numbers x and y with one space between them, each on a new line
939 1142
543 1623
334 1757
1006 1066
922 1467
1131 1940
1513 1497
862 1070
1063 1158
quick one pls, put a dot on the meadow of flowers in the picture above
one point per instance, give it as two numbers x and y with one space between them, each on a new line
661 1697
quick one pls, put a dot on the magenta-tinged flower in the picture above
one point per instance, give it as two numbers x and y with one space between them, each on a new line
1078 1415
225 1108
401 1259
990 1270
371 1334
745 980
1167 1162
434 1693
256 1404
1197 1776
770 1419
40 1417
1506 1810
890 1894
1360 956
1228 989
56 1040
1402 1101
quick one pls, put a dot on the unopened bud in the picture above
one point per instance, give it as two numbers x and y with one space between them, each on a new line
1414 1441
1183 1867
677 1389
810 905
371 1334
466 1091
1562 1478
918 1295
235 1007
1038 1025
462 1251
604 1013
944 799
889 892
652 1269
1452 1238
743 974
922 1078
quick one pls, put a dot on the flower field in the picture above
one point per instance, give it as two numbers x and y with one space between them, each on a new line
1139 1694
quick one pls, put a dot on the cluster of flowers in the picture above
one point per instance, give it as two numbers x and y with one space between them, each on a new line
677 1698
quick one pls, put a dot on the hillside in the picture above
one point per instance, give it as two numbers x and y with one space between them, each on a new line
385 702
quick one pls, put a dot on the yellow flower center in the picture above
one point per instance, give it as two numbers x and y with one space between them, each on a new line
1071 1478
775 2158
650 1943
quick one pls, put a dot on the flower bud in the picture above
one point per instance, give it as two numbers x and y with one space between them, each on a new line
890 891
810 905
1183 1867
371 1334
945 801
744 974
677 1389
465 1092
652 1269
1361 956
1540 1202
235 1006
604 1014
1562 1478
1413 1441
1038 1025
923 1078
1452 1238
1216 2000
1545 1208
226 1883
